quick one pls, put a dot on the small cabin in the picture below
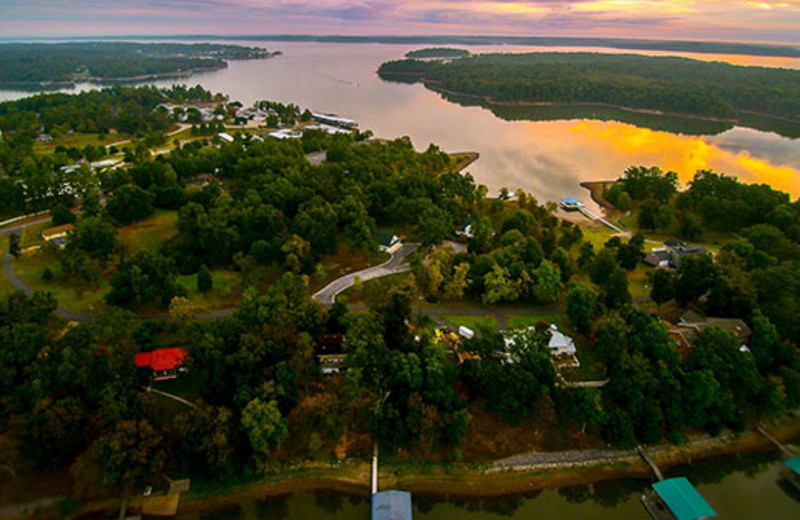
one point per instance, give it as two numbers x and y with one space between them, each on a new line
57 236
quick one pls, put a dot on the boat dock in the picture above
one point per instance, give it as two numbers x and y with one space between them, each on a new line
391 504
573 204
650 463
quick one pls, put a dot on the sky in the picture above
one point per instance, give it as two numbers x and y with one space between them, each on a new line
723 20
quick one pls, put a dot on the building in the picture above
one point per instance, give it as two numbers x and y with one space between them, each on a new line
330 364
228 138
391 505
165 363
571 204
685 331
466 332
560 344
791 471
465 231
388 243
285 133
333 119
57 236
676 498
672 253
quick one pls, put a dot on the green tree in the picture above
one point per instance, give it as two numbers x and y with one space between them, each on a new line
264 425
615 289
204 280
581 306
61 215
130 456
663 286
94 235
13 245
130 204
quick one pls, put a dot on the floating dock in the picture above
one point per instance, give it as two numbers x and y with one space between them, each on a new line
573 204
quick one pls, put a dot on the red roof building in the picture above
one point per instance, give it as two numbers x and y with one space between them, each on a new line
164 362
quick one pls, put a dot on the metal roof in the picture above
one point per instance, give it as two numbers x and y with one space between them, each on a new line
572 200
391 505
683 499
793 464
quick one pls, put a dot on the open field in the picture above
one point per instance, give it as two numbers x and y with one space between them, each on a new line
471 321
150 233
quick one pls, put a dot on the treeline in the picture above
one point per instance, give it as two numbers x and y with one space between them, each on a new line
666 84
438 52
35 63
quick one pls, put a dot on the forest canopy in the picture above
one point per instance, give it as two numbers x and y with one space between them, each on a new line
664 84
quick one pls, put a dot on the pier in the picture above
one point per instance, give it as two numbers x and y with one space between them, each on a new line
650 463
573 204
388 505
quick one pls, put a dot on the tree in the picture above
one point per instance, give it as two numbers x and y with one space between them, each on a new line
548 282
663 286
616 289
581 306
264 425
604 264
13 245
130 456
130 204
696 275
61 215
204 280
94 235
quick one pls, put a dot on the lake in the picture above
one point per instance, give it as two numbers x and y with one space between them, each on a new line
744 487
546 157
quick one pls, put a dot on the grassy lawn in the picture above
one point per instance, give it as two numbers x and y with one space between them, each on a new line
224 293
5 286
188 386
32 235
638 284
374 286
77 140
69 295
151 232
471 321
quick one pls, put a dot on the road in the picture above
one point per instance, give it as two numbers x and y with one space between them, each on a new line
327 295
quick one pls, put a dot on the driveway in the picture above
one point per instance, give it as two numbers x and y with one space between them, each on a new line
327 295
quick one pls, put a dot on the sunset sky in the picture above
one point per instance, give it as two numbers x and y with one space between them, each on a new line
767 20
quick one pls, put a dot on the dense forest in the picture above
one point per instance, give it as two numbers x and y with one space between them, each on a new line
72 399
438 52
63 63
664 84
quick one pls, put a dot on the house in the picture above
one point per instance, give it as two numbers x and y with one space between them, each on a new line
285 133
685 331
466 332
672 253
465 231
330 364
388 243
560 344
228 138
165 363
571 204
57 236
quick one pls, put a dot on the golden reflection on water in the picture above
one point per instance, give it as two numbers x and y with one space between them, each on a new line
682 154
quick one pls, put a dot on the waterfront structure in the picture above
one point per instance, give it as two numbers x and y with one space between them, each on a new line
791 471
571 204
391 505
677 499
333 119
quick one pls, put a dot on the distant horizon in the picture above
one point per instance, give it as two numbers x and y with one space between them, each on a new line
750 21
400 38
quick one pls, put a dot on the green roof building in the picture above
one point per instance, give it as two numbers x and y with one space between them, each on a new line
683 500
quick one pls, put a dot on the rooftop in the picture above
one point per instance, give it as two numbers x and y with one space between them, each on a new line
793 464
391 505
685 502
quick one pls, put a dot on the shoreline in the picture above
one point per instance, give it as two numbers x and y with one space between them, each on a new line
596 189
434 86
497 479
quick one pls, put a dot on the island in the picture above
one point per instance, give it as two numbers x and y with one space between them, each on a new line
438 53
57 65
712 91
198 293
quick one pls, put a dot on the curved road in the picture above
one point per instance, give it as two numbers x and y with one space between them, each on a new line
327 295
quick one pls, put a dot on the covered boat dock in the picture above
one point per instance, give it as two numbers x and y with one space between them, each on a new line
677 499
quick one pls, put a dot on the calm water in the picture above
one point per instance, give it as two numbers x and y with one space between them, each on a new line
738 488
547 158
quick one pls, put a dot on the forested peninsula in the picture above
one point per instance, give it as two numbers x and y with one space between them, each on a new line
61 64
650 84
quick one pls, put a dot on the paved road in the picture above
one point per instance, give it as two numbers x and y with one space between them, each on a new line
327 295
